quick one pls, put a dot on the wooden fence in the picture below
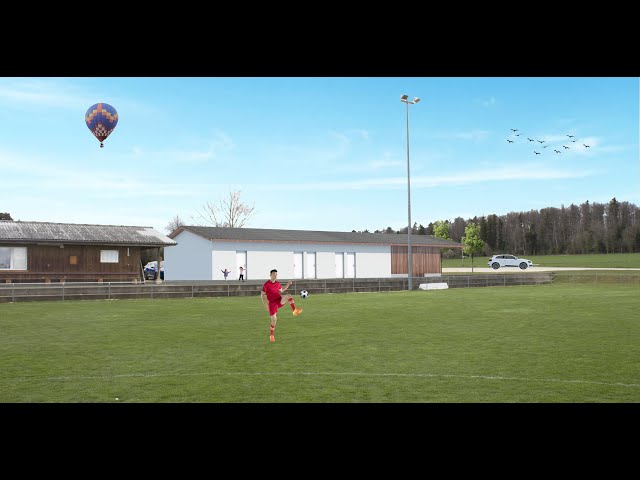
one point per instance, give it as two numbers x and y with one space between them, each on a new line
19 292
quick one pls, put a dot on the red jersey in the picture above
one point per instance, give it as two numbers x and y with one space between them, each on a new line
272 289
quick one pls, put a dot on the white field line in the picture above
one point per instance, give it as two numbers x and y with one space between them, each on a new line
345 374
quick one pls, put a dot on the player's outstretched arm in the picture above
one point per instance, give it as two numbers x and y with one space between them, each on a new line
289 283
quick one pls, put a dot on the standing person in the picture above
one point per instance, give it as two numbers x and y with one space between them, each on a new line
226 273
241 274
272 299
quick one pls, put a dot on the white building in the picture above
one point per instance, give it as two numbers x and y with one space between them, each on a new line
202 253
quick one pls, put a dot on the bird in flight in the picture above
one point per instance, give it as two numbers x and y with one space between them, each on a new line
518 134
557 151
530 139
545 146
541 141
514 129
537 153
510 141
567 148
573 141
570 136
586 146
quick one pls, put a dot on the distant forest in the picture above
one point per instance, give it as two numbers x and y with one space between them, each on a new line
612 227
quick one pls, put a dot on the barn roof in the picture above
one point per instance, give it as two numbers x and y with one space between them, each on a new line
312 236
71 233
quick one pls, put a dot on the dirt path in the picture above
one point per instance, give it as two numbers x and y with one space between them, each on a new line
530 269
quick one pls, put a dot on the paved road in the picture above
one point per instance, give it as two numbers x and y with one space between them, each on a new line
530 269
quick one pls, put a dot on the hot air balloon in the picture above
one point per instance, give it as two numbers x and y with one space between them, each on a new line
101 119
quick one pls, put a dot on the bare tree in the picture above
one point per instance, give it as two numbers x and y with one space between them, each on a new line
174 223
229 212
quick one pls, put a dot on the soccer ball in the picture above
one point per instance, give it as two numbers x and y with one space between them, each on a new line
304 294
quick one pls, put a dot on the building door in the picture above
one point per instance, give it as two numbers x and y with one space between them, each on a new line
340 265
297 265
241 261
311 265
351 265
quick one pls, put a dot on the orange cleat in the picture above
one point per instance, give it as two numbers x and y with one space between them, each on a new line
272 338
297 312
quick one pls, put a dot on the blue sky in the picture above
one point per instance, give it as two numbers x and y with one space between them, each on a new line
324 153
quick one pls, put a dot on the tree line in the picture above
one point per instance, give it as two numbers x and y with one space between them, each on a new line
612 227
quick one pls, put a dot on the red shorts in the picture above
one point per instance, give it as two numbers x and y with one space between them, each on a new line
274 306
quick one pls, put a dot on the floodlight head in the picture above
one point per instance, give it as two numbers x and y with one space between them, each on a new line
404 98
416 99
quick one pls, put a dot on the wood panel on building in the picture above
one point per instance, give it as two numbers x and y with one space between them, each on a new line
423 260
33 252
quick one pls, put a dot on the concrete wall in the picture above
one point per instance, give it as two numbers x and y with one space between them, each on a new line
222 259
326 264
373 264
190 259
260 263
62 291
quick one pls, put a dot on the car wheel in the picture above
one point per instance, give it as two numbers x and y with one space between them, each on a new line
495 265
523 266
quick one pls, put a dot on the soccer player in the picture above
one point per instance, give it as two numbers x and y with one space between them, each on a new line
272 299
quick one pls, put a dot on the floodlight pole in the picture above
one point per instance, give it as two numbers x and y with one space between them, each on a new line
405 99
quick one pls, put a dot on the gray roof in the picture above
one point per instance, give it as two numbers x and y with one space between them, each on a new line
45 232
312 236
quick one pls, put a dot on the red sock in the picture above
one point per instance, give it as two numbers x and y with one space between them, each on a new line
293 305
272 330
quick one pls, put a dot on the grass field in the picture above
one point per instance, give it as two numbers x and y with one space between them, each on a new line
612 260
547 343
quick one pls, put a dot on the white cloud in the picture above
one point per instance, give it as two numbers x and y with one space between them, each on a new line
496 174
361 133
379 164
221 142
576 143
472 135
320 153
564 122
342 138
581 143
615 148
554 138
489 102
486 102
48 177
38 92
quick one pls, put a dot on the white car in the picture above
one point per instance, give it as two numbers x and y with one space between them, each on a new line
498 261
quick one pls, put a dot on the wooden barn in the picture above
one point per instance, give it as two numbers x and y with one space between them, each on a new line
32 252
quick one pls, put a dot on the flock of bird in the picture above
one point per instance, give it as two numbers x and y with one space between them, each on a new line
571 140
